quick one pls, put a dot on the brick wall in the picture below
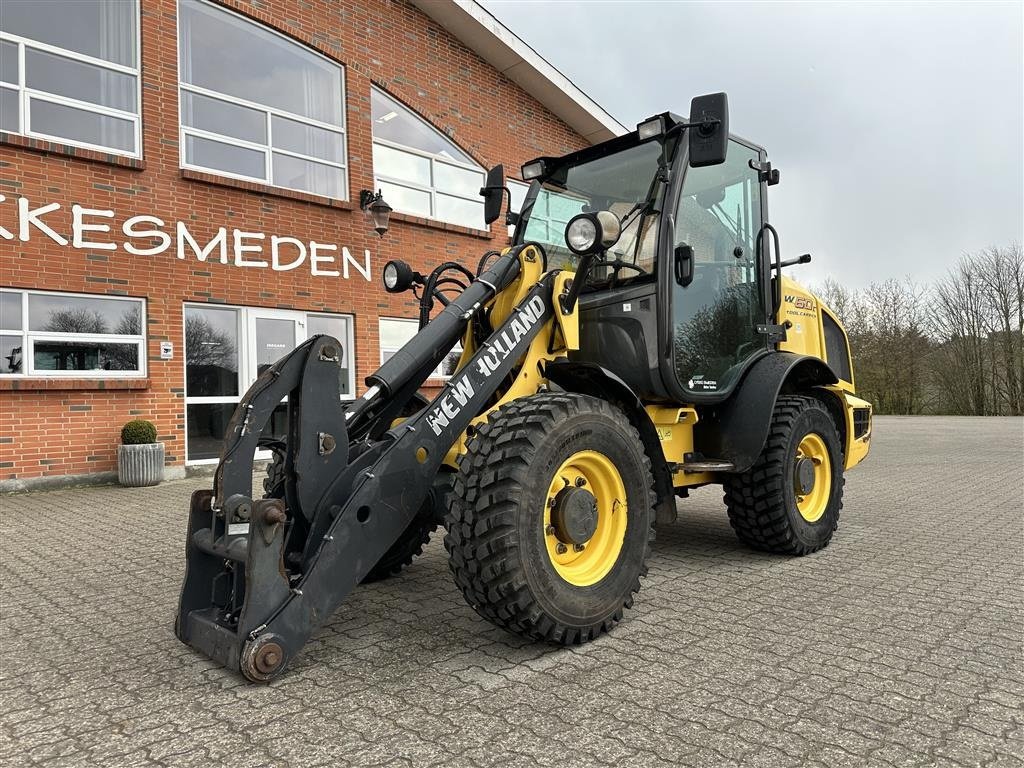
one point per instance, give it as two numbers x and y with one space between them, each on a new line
57 427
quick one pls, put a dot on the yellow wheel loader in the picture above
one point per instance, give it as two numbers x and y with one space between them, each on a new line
638 339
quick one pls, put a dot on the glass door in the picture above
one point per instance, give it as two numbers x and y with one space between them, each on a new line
715 317
273 333
227 348
212 377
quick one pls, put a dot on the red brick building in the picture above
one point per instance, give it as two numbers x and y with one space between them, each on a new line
179 198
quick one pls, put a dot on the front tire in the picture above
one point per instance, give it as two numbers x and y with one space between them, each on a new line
549 527
789 501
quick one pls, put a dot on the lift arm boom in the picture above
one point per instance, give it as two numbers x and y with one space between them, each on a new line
249 600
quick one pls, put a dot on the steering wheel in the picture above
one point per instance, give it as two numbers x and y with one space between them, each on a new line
619 264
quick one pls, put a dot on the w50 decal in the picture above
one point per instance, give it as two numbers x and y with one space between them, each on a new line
800 302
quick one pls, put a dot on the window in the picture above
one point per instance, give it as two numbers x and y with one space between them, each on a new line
419 170
395 332
69 72
550 215
60 334
517 193
227 348
257 106
715 318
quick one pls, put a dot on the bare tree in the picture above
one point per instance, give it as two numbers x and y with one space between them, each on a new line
75 321
1000 273
953 347
978 321
892 347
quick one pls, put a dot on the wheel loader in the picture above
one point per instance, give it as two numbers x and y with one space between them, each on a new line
638 339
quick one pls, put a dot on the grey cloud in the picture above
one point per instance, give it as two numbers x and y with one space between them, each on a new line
897 127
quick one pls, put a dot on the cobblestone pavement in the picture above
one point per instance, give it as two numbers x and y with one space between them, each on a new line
901 644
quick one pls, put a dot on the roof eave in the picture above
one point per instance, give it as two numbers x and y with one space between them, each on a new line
496 44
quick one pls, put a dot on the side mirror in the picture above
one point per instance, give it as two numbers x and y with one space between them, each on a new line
709 129
492 193
684 264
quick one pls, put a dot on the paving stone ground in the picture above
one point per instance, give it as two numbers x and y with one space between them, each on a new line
900 644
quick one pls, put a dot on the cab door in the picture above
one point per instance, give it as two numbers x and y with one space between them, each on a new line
713 320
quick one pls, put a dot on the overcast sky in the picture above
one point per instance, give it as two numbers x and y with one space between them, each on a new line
898 128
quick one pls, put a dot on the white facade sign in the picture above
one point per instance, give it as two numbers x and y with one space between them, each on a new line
145 235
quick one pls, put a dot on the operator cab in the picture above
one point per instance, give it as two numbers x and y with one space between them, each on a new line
677 305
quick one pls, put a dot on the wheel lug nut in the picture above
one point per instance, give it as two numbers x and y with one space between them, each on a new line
580 482
561 548
550 530
578 547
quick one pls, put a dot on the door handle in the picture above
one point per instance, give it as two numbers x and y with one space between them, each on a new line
684 264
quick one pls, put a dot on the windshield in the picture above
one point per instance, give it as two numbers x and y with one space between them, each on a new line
623 182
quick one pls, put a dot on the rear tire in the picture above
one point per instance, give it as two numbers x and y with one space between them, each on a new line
771 506
539 540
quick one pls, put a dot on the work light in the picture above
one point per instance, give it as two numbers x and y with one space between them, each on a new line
592 232
533 170
398 276
650 128
581 234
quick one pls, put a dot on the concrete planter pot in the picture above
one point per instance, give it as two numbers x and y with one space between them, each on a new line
139 465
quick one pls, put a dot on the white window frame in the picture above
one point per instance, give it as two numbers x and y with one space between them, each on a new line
434 161
29 338
26 94
514 184
435 374
246 351
267 149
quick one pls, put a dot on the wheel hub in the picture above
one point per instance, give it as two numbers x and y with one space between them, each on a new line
812 477
584 518
574 515
804 475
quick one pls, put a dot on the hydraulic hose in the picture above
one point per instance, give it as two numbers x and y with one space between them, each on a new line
428 348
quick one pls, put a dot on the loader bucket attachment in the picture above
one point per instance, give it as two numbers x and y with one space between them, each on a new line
263 574
235 553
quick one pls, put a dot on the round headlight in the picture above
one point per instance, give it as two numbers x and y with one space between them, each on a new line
390 275
581 234
398 276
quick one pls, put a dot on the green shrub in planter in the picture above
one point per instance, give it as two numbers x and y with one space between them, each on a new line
138 432
140 458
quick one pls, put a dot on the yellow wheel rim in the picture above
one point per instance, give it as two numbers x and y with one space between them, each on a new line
813 503
582 563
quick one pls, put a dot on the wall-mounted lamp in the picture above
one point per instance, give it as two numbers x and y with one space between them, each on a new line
374 206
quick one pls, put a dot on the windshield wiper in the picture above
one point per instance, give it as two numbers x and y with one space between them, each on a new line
637 209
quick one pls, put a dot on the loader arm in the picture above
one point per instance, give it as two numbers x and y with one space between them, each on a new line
262 575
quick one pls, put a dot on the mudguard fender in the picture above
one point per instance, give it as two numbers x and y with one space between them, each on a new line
736 430
596 381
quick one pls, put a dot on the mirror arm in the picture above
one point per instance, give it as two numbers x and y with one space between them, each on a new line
704 126
511 218
765 172
805 259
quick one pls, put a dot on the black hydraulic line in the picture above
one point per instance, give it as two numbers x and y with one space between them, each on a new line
430 291
436 339
484 259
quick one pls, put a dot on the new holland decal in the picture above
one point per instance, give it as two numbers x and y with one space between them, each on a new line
488 360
